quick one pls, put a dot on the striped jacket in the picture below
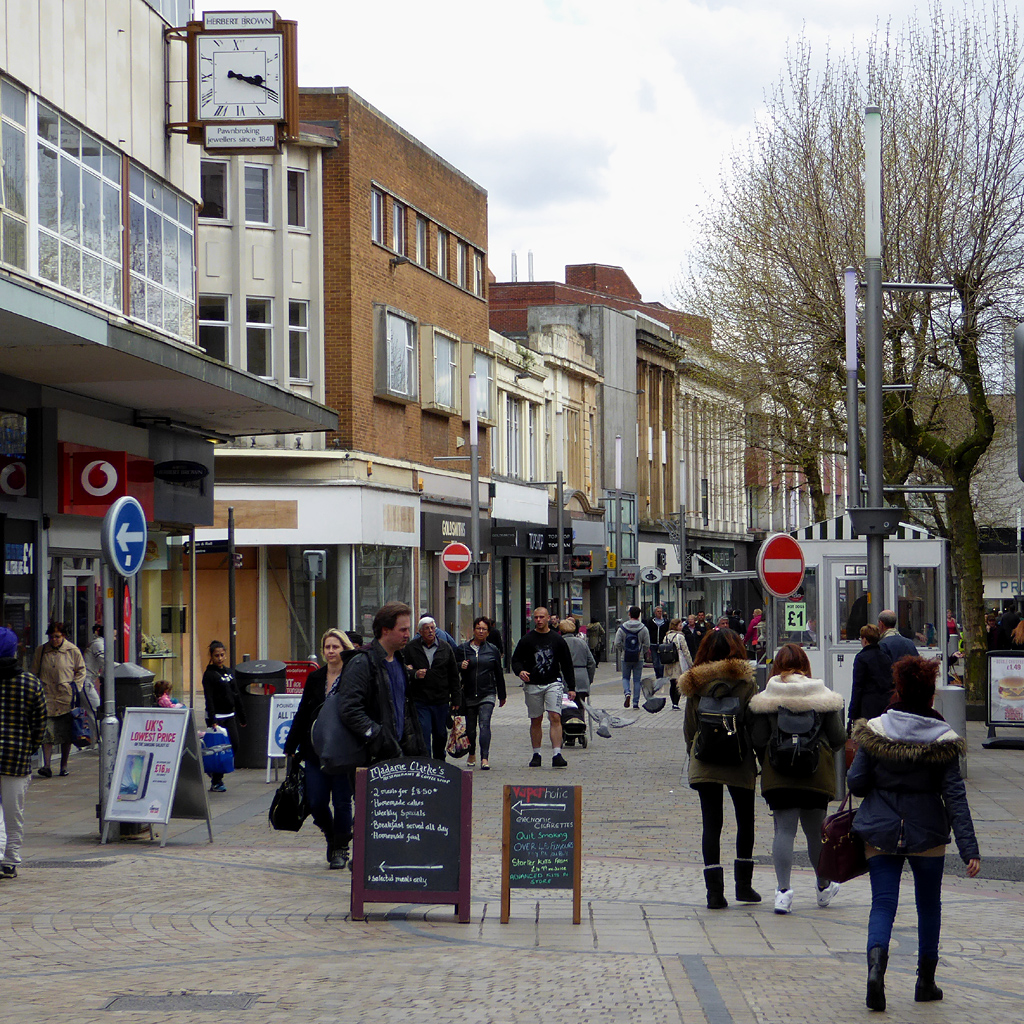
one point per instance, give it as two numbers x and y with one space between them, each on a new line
22 718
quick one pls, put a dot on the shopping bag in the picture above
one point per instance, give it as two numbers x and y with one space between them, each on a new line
842 852
458 741
218 757
288 809
81 722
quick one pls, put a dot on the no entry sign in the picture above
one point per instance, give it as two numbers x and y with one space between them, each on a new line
456 557
780 564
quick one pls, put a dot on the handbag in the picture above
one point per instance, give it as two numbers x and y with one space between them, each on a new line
81 727
852 746
218 757
336 745
289 809
458 741
842 852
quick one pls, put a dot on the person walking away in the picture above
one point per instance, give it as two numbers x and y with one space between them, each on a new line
434 683
634 641
595 640
753 634
908 772
894 643
872 678
223 703
60 667
544 664
721 669
483 685
796 725
657 627
684 662
23 715
94 664
323 790
583 662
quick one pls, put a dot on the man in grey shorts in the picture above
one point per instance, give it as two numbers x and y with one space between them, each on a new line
542 659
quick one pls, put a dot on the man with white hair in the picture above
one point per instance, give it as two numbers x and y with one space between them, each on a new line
434 687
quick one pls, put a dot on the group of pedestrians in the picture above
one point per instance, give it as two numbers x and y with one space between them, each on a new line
906 768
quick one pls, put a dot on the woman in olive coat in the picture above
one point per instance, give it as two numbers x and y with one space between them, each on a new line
722 658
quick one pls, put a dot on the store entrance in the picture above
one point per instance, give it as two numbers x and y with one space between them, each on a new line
75 596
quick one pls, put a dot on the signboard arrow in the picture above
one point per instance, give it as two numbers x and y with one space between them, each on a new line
126 536
385 867
520 807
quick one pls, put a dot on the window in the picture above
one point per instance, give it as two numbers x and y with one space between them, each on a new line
705 502
377 216
531 453
298 340
161 255
13 181
257 194
258 337
513 451
296 199
442 253
214 325
916 606
446 370
398 227
483 367
461 257
478 273
213 184
401 350
79 194
421 240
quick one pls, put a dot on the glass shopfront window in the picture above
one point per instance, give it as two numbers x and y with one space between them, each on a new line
796 617
916 606
383 574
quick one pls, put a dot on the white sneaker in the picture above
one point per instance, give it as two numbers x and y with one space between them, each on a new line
825 895
783 900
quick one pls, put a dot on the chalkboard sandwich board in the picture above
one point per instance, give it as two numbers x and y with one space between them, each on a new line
540 845
413 837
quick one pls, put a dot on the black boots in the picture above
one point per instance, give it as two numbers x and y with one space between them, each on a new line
337 852
743 872
878 960
714 880
926 990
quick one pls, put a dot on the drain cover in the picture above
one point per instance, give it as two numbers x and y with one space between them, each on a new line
185 1001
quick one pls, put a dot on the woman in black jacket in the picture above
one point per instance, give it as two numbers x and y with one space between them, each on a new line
908 772
321 789
483 683
872 678
223 703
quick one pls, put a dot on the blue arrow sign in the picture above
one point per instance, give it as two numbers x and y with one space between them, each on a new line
124 536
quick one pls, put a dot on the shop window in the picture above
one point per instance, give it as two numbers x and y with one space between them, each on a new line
916 606
382 574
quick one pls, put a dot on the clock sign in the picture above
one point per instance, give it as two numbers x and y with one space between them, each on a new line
240 77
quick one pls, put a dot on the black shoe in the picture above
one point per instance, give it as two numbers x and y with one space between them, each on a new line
559 762
535 761
218 787
878 960
10 871
339 861
45 773
927 991
625 703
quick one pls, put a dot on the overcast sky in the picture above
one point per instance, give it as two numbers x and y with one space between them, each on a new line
598 127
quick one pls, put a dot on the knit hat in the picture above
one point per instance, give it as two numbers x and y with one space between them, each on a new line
8 643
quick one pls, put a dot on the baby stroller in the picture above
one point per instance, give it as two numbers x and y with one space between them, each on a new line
574 723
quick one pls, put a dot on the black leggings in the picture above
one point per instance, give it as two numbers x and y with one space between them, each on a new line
711 801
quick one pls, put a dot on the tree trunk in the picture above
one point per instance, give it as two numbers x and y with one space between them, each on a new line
965 551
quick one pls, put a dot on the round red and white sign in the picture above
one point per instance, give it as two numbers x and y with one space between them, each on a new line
780 564
456 557
13 479
98 478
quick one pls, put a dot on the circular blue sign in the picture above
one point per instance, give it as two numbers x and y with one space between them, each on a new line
282 734
123 536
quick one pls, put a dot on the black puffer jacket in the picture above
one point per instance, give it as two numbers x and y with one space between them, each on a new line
872 684
908 772
484 678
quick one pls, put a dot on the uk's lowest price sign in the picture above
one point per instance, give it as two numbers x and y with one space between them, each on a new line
282 714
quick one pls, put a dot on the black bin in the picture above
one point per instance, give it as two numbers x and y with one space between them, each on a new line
257 682
133 688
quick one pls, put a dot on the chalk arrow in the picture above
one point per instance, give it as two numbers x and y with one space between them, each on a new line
410 867
520 807
126 537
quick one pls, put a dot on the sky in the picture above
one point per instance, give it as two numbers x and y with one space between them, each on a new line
598 127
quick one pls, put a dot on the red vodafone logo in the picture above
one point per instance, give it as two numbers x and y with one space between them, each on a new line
98 478
456 557
13 478
780 564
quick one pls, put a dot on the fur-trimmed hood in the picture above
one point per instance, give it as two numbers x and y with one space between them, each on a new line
696 680
912 739
796 692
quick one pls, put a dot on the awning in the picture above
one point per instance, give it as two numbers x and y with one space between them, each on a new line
59 344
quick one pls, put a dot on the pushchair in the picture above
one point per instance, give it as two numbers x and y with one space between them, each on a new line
574 722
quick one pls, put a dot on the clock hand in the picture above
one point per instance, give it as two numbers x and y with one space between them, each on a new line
256 80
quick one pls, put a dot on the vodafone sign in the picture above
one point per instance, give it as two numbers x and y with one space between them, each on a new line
456 557
13 477
780 564
92 479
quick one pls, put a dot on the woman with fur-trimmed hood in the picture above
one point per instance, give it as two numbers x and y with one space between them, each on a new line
908 772
797 800
722 658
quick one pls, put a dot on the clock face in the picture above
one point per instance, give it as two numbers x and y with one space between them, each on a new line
240 78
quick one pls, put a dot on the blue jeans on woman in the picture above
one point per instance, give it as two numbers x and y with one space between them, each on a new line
321 791
479 713
885 870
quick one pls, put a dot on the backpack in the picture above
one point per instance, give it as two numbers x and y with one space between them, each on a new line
795 745
631 646
719 738
668 653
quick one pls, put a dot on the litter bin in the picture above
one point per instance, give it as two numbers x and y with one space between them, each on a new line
133 688
257 682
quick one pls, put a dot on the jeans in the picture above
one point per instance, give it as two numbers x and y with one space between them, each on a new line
479 713
634 670
659 669
321 791
885 870
711 801
434 725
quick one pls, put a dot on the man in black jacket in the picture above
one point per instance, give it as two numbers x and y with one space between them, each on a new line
374 701
657 626
434 686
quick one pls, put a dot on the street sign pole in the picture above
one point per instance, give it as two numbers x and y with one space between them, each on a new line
108 723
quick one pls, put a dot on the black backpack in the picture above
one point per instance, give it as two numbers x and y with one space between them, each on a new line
668 653
720 738
795 745
631 646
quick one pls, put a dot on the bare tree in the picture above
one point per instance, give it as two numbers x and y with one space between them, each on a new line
790 217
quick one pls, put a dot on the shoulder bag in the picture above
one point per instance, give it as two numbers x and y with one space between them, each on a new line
288 809
842 852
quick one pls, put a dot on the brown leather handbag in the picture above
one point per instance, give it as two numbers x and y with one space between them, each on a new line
842 852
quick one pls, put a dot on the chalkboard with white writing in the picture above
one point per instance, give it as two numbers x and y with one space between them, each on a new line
541 841
412 835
